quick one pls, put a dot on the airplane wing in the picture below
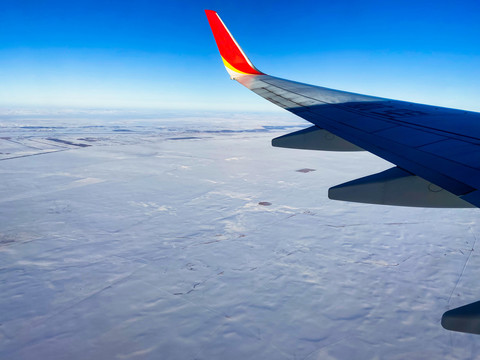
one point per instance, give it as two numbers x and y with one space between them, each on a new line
436 150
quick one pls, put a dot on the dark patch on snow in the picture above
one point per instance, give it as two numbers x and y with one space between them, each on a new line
185 138
89 139
68 142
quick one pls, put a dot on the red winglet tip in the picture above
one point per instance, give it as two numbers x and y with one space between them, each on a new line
233 56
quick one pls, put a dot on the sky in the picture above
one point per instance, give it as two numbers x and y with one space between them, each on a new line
161 55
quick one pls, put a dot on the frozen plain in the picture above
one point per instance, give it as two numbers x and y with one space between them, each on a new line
146 239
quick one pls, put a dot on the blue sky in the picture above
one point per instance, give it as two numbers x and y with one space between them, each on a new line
161 55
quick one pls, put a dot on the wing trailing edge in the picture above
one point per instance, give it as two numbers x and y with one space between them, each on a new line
396 187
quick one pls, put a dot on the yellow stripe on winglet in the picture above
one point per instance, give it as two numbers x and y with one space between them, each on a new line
228 66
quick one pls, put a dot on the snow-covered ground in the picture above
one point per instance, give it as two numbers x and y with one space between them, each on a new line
193 238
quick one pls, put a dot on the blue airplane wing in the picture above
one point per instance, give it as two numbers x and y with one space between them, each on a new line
435 150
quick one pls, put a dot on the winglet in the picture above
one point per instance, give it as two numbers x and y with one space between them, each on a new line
234 59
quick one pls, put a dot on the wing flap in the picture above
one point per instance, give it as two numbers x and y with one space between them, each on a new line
396 187
463 319
314 138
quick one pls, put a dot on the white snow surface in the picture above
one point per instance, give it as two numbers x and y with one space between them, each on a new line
151 243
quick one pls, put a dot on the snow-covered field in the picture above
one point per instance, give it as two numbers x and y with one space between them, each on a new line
193 238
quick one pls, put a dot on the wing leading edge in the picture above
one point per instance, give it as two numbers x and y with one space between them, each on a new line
436 150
